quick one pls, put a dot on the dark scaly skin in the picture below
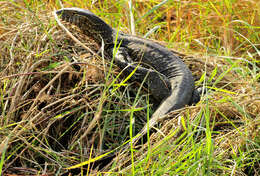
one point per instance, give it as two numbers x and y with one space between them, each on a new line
168 78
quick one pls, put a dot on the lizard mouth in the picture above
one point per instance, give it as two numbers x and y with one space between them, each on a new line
78 16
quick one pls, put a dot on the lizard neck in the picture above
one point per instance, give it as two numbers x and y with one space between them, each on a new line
89 24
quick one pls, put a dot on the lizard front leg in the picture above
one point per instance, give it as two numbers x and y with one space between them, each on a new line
157 83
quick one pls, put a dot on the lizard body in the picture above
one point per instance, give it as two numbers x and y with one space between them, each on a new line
169 80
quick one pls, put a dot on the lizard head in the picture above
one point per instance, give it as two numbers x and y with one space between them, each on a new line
88 22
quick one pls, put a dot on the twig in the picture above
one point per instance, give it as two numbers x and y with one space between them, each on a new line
132 21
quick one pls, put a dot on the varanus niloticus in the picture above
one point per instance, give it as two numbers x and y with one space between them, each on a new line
168 78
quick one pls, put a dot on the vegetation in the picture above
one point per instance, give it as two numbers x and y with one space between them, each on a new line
51 89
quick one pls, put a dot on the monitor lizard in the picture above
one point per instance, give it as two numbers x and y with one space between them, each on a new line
169 80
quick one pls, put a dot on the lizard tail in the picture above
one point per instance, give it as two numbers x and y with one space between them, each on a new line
182 93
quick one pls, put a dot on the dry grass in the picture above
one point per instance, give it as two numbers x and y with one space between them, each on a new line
52 88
